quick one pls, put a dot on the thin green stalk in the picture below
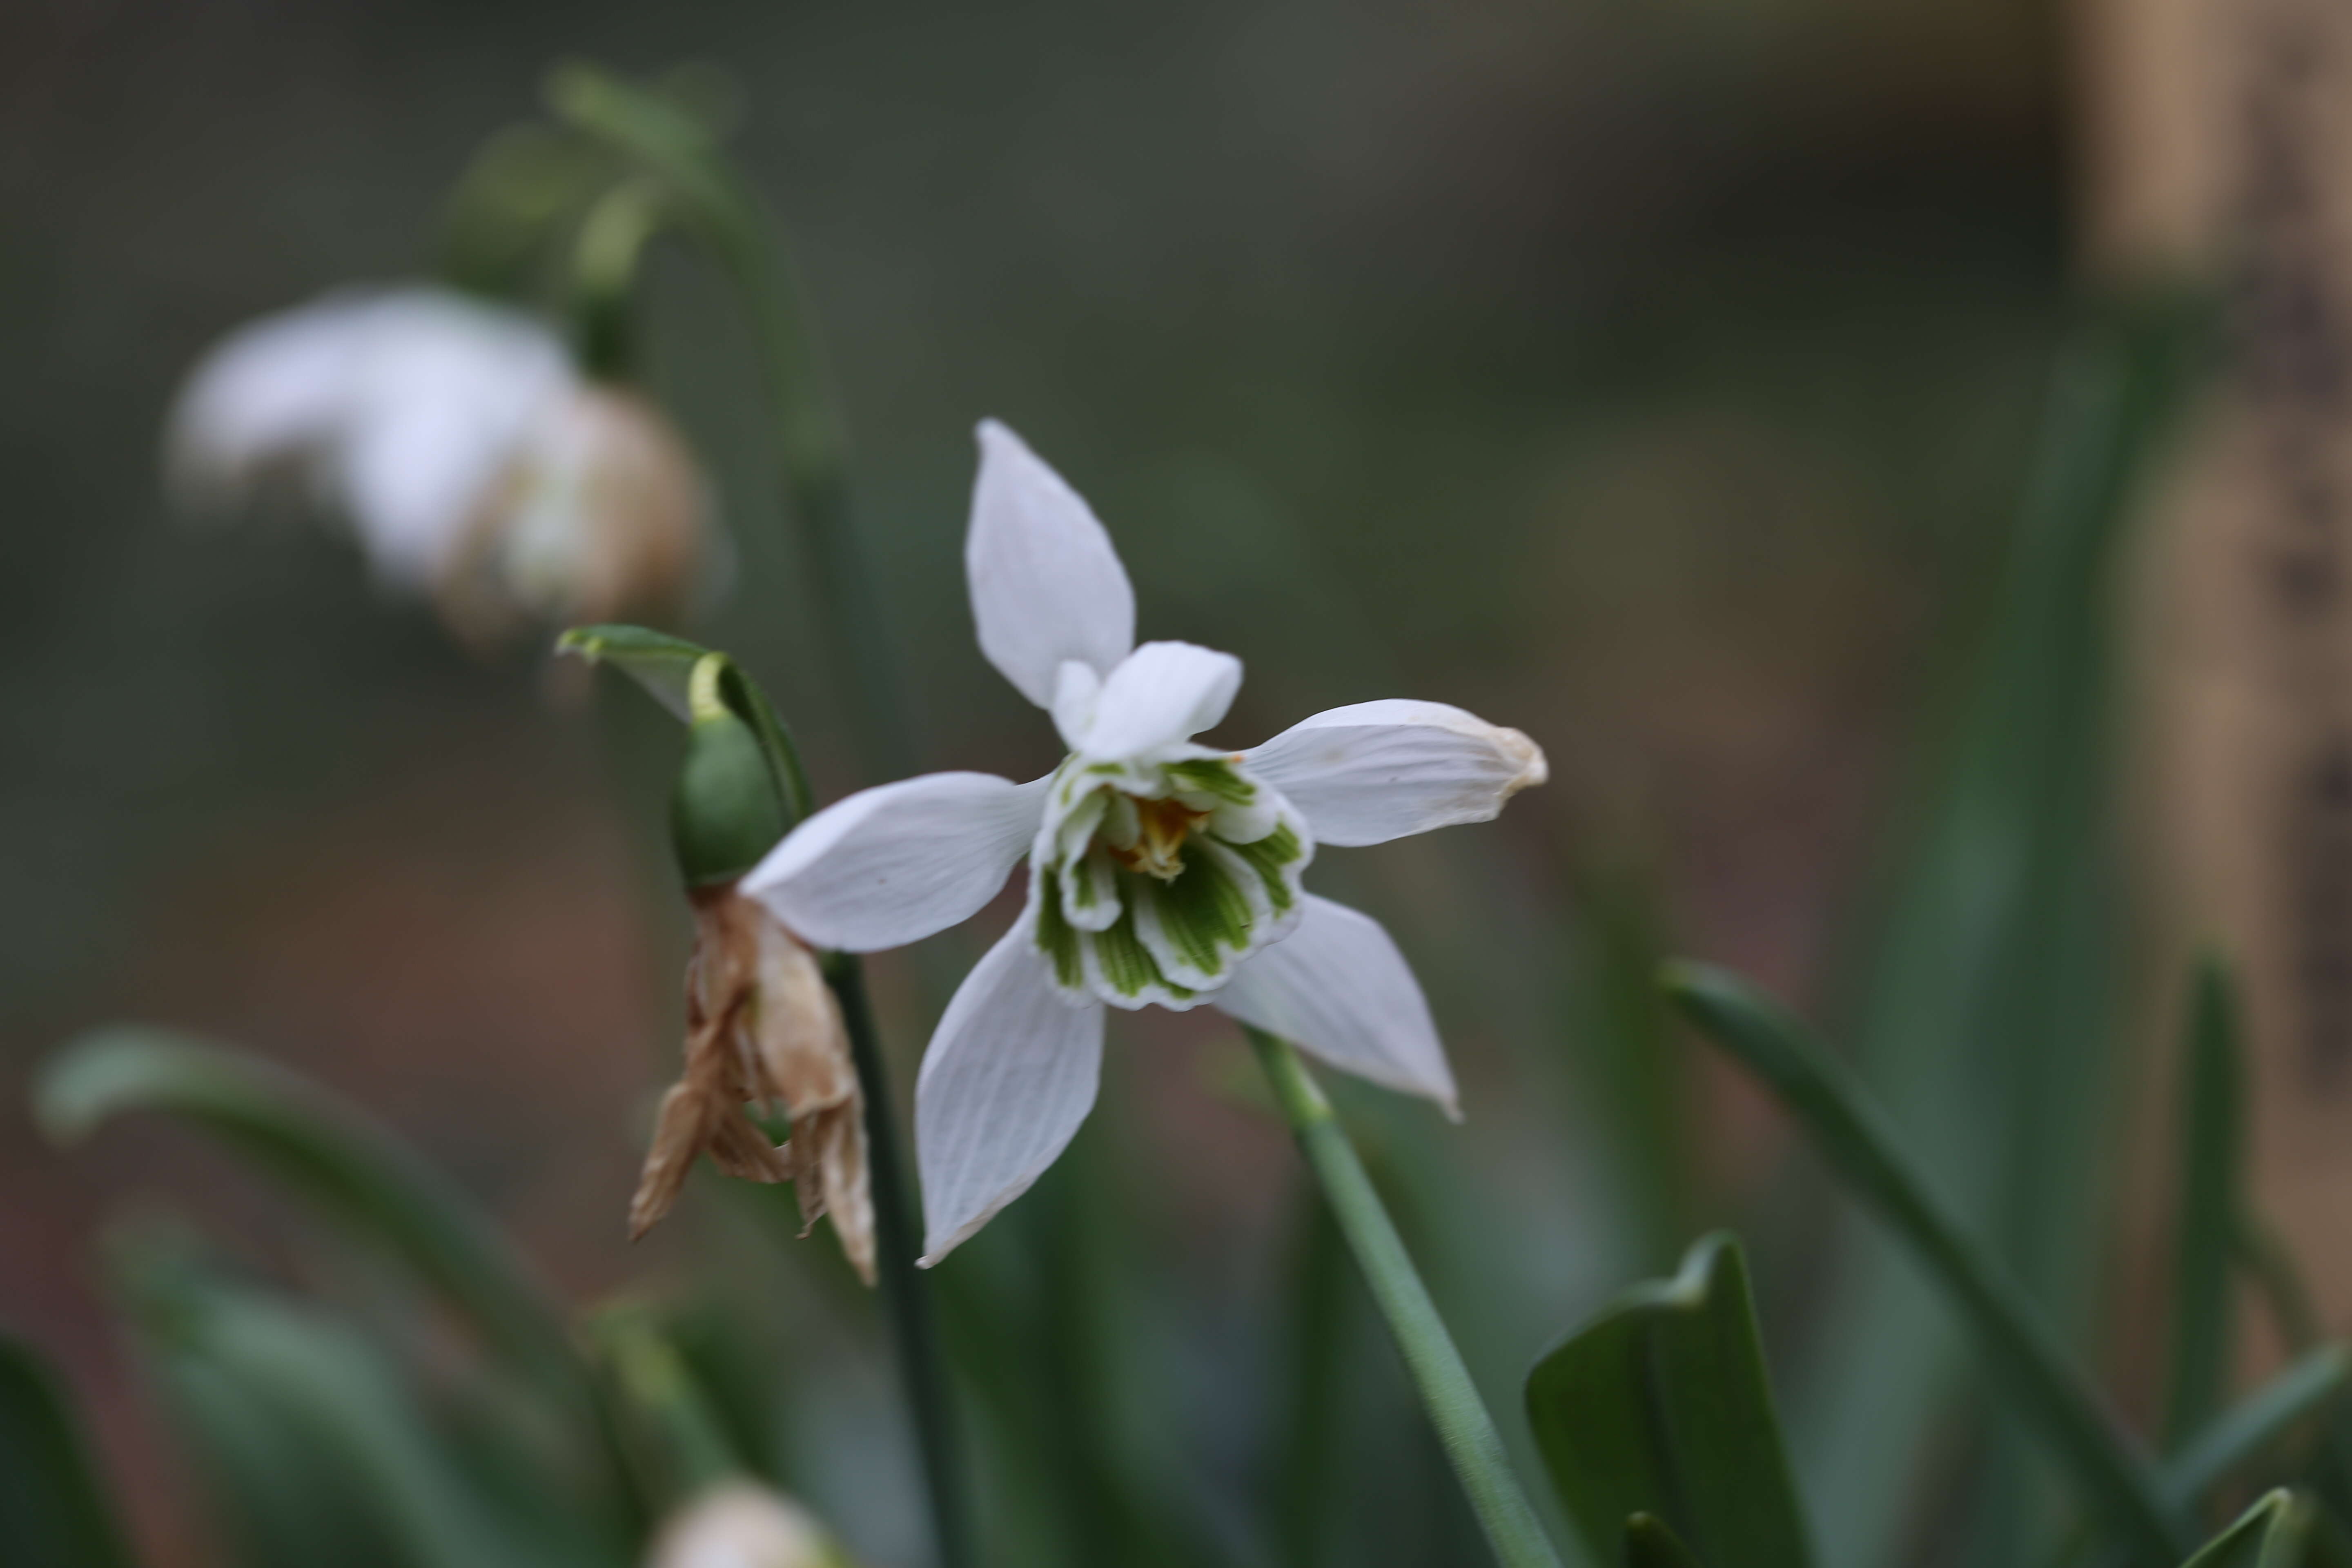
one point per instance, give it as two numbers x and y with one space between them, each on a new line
1849 1131
1463 1427
906 1293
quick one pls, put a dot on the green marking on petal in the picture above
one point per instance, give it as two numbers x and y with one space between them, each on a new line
1203 913
1054 937
1212 776
1268 857
1126 965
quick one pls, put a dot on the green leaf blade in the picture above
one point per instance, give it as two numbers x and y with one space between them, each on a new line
1649 1544
329 1154
2271 1534
2212 1141
53 1508
1661 1406
2248 1429
1851 1134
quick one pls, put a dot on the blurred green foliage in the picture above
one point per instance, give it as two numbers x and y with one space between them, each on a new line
1401 354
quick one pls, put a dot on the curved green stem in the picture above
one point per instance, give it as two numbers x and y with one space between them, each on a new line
606 257
1848 1130
1463 1427
722 211
906 1290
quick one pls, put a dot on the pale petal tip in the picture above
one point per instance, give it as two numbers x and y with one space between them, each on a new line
1533 769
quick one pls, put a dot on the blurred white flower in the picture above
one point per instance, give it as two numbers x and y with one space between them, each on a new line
470 459
740 1525
1161 870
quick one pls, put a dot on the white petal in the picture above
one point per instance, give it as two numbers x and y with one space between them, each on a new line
448 392
889 866
1338 988
403 408
263 395
1161 695
1010 1074
1378 771
1075 687
1046 586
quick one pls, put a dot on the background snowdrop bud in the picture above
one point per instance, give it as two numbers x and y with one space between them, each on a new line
725 812
738 1525
468 456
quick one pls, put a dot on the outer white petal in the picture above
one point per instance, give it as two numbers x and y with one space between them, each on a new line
1162 694
401 406
1010 1074
1046 585
889 866
269 392
449 392
1378 771
1339 989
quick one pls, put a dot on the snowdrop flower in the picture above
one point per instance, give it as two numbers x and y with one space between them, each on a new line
471 460
1160 871
736 1524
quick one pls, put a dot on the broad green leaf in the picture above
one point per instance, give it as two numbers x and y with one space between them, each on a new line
664 665
1661 1406
53 1508
1850 1132
332 1155
2271 1534
1649 1544
279 1499
2248 1429
2212 1146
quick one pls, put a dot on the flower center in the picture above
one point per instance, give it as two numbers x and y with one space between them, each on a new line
1161 827
1151 877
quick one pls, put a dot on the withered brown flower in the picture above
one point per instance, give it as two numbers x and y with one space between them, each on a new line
762 1030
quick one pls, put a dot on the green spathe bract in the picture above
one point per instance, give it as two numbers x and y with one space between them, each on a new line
52 1506
725 811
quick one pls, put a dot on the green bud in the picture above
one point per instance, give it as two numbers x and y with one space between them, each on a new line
725 813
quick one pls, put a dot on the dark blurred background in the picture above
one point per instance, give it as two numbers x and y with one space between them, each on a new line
1657 379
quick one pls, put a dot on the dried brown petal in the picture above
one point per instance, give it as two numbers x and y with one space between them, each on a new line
601 514
762 1027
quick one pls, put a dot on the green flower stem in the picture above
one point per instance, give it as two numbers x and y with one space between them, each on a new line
722 211
906 1290
1463 1427
1848 1130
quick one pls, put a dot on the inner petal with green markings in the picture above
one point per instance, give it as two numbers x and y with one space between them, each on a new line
1152 878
